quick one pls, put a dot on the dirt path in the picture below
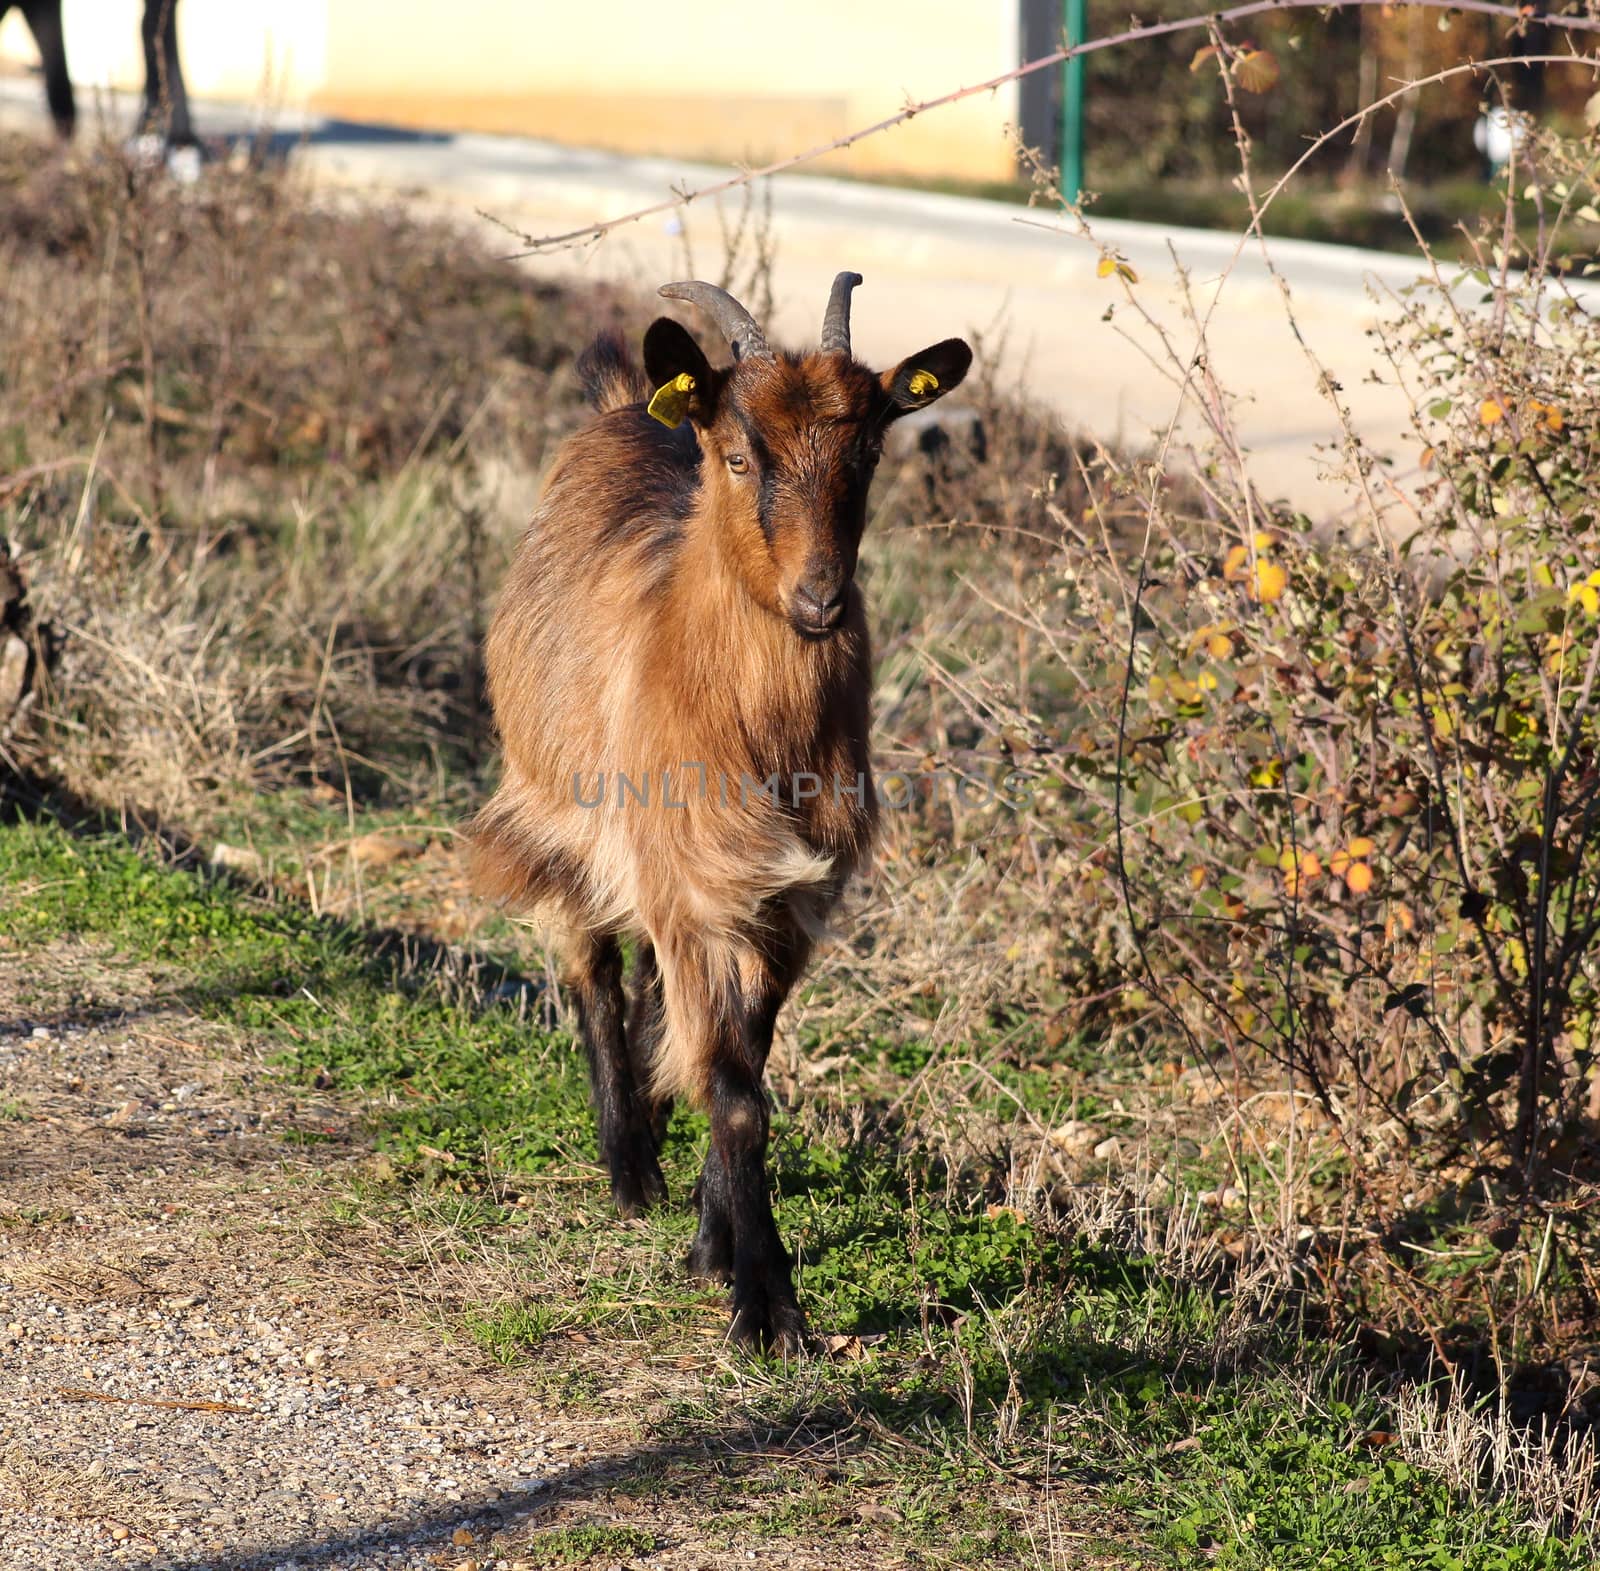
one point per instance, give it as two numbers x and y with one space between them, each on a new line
201 1366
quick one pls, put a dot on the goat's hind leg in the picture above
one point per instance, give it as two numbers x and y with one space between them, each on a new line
646 1023
627 1142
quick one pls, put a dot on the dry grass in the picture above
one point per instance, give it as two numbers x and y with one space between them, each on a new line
262 459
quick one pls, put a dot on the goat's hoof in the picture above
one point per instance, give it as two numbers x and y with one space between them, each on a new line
636 1190
706 1262
771 1326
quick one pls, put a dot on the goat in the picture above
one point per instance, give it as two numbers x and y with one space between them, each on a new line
166 100
682 615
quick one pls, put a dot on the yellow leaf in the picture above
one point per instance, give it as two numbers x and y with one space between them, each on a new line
1589 599
1202 55
1361 846
1262 540
1108 265
1219 646
1358 878
1490 412
1197 877
1271 581
1233 565
1553 418
1207 680
1256 70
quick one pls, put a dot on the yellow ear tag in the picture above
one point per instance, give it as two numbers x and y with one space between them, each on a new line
670 402
922 382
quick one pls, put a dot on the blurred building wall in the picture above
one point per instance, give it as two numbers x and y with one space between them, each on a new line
729 79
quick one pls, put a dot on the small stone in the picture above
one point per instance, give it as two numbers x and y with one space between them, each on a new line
1075 1137
316 1357
119 1532
235 859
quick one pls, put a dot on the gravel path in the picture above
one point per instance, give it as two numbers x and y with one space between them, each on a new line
200 1367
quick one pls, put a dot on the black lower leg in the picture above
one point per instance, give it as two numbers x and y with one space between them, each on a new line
44 22
711 1254
626 1145
166 100
646 1022
765 1310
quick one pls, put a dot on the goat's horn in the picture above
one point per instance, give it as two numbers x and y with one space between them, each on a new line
836 320
746 340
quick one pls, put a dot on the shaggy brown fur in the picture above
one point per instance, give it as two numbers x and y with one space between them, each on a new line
681 675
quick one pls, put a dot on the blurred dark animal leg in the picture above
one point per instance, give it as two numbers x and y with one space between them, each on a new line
166 99
44 22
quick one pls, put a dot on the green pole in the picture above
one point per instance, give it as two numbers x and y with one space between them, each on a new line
1077 30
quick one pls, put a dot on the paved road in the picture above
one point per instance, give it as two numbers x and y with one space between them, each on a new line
936 265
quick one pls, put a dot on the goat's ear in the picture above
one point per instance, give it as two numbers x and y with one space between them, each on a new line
669 353
926 376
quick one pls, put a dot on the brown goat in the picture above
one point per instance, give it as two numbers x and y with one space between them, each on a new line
681 676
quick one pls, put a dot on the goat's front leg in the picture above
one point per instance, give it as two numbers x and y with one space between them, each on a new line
738 1240
627 1142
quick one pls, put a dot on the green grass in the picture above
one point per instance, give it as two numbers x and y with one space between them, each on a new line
999 1357
576 1546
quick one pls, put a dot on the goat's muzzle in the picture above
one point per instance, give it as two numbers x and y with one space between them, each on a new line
815 610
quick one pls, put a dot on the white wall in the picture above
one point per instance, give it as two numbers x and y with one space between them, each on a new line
730 78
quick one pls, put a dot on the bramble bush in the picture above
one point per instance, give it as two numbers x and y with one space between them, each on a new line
1333 803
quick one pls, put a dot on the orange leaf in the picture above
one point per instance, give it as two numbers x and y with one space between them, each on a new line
1358 878
1201 56
1490 412
1256 70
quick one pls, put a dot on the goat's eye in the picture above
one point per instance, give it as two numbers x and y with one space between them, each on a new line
738 463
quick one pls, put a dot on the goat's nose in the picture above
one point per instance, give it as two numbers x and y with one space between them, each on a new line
820 605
